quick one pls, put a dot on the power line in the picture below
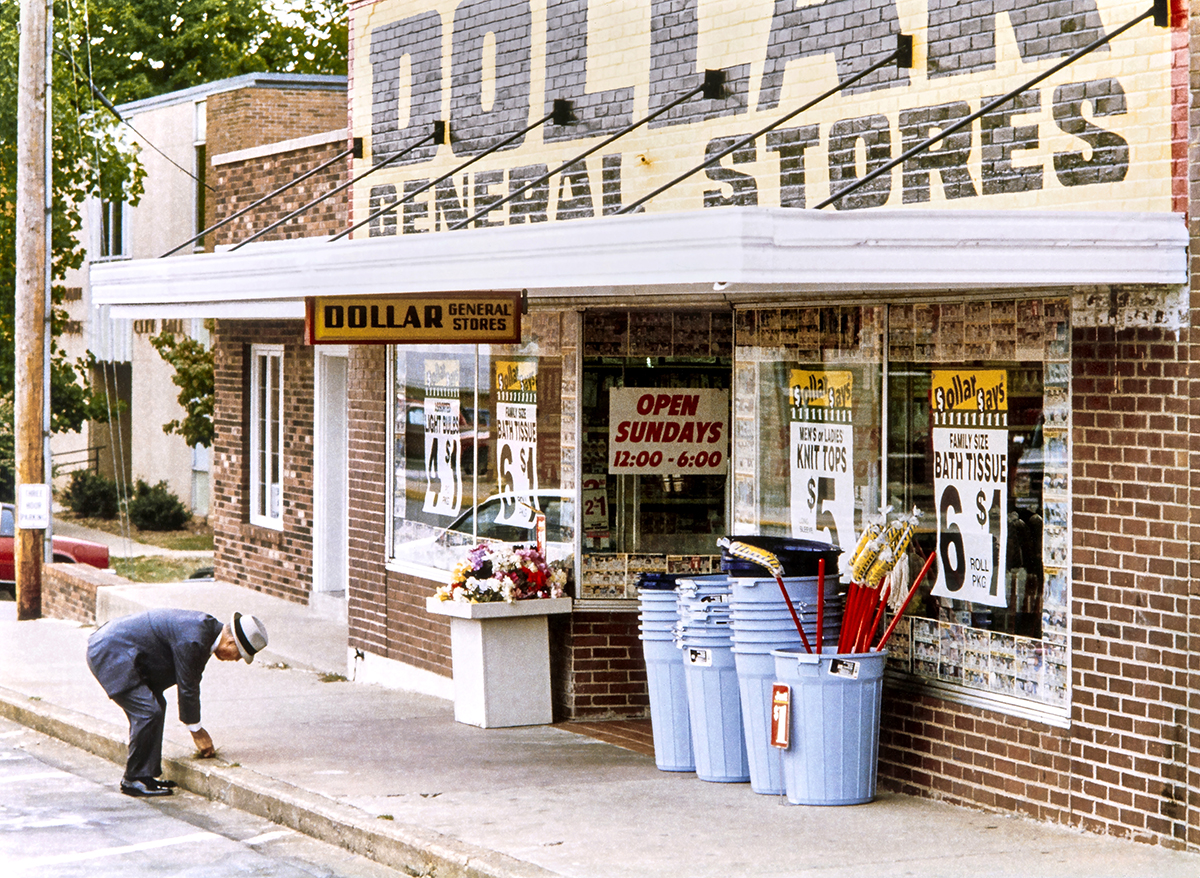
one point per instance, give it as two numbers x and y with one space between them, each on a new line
108 105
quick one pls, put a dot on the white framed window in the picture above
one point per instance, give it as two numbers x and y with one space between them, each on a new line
111 230
266 435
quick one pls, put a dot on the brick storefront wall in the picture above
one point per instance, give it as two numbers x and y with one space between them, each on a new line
1124 767
267 560
598 668
369 591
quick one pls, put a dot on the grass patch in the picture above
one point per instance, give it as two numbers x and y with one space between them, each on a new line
196 536
156 568
332 678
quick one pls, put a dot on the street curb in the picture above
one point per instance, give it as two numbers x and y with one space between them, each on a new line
410 849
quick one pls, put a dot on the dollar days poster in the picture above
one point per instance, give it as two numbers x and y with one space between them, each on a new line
969 409
822 455
516 439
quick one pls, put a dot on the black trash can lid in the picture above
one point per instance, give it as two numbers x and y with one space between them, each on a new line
663 581
799 557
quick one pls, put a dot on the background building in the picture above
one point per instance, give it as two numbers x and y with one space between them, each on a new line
183 137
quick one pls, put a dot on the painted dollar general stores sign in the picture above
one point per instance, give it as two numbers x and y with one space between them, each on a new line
455 318
1095 135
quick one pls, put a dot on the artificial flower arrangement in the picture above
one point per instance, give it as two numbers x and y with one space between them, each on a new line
498 573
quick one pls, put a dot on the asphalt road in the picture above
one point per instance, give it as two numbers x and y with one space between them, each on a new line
62 815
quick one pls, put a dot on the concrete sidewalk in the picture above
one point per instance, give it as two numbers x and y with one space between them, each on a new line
391 775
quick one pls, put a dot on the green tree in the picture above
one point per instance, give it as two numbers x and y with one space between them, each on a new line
127 50
140 48
88 158
193 364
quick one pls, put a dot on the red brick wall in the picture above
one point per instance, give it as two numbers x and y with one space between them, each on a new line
367 428
414 636
598 668
1122 768
255 116
242 183
69 591
267 560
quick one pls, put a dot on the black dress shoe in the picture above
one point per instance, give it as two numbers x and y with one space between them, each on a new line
161 784
142 787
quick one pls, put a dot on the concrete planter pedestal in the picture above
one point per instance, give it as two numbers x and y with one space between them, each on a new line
501 655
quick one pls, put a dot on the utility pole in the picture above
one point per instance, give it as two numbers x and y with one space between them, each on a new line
32 288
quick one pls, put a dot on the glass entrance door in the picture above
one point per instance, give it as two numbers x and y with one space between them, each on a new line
646 503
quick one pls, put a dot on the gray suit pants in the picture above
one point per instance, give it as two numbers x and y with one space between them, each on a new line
147 712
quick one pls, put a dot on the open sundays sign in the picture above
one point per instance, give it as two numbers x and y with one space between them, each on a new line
672 431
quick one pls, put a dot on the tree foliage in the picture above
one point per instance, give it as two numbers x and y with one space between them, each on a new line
193 364
139 48
88 157
128 50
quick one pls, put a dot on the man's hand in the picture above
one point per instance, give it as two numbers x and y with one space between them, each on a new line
204 744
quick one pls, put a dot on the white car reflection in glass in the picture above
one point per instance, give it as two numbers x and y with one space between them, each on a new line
492 525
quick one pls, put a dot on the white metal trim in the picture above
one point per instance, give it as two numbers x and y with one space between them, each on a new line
750 251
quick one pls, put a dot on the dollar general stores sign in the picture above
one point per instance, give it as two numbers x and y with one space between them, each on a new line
459 318
1096 135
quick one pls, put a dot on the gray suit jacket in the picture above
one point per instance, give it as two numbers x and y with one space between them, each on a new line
161 648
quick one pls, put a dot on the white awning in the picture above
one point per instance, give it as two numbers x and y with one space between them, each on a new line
733 254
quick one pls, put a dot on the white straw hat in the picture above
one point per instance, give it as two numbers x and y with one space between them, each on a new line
249 634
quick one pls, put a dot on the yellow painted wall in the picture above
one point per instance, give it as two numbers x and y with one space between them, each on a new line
729 33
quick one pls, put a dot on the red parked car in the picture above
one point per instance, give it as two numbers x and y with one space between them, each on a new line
65 548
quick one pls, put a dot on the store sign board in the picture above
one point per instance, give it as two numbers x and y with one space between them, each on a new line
443 318
669 431
970 483
822 454
1096 135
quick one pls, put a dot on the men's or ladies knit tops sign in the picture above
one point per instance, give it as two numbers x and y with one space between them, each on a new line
821 454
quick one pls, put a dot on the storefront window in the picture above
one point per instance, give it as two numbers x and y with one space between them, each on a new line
965 419
978 438
477 447
808 421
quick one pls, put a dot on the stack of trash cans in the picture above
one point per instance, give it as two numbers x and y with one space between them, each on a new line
664 673
710 675
762 622
716 645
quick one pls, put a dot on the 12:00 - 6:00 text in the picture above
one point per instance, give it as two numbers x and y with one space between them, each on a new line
699 460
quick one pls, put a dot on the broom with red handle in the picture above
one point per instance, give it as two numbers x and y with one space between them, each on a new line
820 601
